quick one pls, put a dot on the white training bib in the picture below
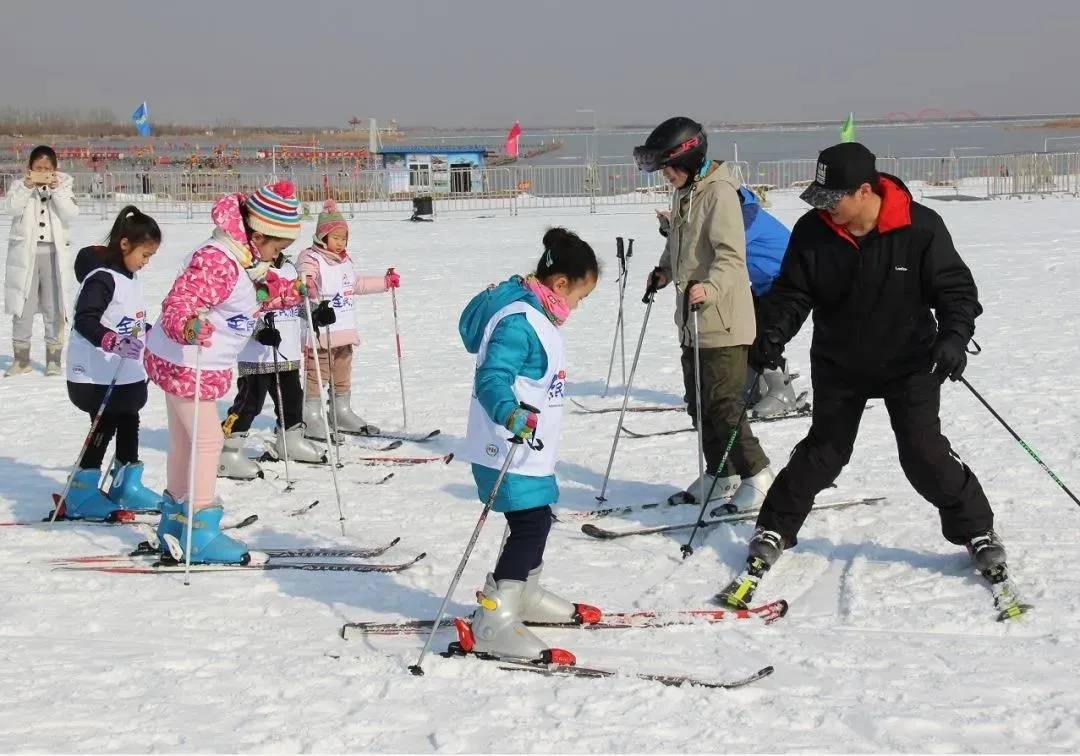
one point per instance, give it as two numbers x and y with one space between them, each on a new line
126 315
338 286
287 322
233 321
486 442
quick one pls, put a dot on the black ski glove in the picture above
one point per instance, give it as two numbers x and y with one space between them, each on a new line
766 352
324 315
948 358
269 336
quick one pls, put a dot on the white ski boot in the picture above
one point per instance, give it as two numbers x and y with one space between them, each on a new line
497 627
344 420
722 491
313 422
751 491
541 605
233 463
299 448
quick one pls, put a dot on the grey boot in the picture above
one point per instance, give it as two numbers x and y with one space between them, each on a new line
987 551
723 490
298 447
21 363
766 545
313 420
234 463
751 491
346 420
541 605
777 397
497 624
52 359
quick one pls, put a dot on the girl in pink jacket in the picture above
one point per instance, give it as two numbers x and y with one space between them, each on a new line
210 311
331 280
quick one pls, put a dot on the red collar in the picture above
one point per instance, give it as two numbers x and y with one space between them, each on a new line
895 211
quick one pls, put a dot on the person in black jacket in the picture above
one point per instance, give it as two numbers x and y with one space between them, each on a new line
875 268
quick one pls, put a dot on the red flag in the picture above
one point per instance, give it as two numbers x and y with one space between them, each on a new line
511 146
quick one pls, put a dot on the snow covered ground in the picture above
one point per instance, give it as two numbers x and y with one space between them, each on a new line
890 643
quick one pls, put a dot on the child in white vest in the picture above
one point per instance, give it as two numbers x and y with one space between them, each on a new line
332 281
269 363
106 348
207 317
513 329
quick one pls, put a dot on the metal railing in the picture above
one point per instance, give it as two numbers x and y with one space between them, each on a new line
514 189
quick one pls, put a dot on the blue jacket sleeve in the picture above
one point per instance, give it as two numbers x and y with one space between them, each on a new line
508 351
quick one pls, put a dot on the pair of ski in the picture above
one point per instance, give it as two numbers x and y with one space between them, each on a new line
804 411
396 439
135 562
766 613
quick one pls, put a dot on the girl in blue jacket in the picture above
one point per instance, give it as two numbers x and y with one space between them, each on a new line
513 329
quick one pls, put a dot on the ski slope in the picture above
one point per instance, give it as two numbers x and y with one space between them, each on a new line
890 644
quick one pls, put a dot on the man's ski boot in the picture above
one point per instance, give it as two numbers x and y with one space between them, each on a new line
344 420
233 463
127 489
764 549
52 360
298 447
85 502
541 605
988 555
721 491
497 627
208 544
777 395
751 491
21 362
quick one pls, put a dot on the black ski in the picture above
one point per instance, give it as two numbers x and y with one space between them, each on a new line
801 412
720 518
583 408
417 438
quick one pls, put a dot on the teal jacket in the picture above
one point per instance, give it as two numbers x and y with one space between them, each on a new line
514 349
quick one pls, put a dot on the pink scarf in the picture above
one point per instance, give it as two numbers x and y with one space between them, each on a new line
555 307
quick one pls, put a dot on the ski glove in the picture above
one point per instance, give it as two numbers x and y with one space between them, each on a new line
766 352
198 331
269 336
128 347
948 358
393 280
522 423
324 314
301 287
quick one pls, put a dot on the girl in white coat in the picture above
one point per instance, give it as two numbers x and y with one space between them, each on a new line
40 275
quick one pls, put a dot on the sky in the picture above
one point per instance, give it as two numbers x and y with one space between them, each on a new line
486 63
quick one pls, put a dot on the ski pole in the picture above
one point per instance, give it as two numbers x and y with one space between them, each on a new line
1020 441
650 292
330 388
622 294
86 443
191 465
401 369
697 400
515 442
620 255
313 340
687 549
281 410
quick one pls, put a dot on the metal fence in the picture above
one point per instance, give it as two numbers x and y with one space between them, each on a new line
515 189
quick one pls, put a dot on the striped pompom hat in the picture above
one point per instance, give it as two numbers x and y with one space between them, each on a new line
329 220
275 211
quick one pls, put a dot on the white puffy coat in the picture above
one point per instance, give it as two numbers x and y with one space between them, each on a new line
25 206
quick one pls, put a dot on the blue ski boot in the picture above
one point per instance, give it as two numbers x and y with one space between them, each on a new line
173 520
127 489
210 545
84 500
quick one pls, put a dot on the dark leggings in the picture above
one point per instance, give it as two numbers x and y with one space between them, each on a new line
524 547
120 419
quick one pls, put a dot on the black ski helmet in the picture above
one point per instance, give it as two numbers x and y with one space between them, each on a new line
679 142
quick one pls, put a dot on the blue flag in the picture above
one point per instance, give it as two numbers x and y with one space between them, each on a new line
141 119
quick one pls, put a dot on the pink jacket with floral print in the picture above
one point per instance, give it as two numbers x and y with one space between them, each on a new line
206 282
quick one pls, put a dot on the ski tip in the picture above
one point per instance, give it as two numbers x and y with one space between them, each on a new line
449 458
781 608
395 542
249 520
594 532
765 672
